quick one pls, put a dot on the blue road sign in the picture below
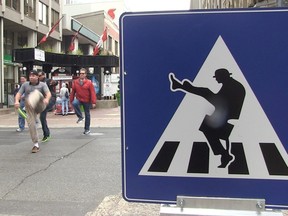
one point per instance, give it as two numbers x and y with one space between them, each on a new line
204 105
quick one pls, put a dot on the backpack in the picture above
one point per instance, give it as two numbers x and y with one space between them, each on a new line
67 94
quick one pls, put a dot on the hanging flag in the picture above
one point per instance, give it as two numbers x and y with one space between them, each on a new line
50 31
72 44
111 13
102 39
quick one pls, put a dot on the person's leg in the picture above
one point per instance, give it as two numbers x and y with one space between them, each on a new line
43 119
76 106
66 107
21 120
31 118
87 116
63 106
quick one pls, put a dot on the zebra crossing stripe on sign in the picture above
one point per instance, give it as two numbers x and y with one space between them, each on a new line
254 149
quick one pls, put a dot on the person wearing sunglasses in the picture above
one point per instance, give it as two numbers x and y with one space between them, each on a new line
83 94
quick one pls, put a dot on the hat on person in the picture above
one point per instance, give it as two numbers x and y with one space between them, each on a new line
222 72
34 72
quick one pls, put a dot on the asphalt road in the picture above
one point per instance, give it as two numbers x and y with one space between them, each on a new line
70 175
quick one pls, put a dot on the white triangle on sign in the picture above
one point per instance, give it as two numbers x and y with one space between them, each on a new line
253 126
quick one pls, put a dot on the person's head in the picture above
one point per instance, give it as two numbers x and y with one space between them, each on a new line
42 75
221 75
23 79
83 73
63 85
33 77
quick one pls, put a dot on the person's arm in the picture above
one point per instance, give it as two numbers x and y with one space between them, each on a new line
72 93
47 97
17 99
93 95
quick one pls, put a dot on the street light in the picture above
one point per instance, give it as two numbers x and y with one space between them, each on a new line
24 70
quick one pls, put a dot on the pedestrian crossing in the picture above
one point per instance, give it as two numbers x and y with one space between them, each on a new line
199 161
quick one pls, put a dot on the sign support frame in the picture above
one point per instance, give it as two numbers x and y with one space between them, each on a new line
202 206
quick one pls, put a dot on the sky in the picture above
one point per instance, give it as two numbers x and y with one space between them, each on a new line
156 5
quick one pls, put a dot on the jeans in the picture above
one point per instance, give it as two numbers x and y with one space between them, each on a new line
21 120
64 102
43 115
76 105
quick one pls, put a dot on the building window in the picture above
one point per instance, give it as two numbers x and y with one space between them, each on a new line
29 8
43 13
116 48
54 19
13 4
109 43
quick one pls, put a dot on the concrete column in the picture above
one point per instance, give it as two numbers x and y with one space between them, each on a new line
56 46
90 49
32 38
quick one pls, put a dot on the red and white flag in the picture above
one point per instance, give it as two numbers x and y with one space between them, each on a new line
102 39
72 44
111 13
50 31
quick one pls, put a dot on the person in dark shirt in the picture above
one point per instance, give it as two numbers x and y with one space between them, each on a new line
43 115
37 97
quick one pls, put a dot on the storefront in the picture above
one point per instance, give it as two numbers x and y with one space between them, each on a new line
64 68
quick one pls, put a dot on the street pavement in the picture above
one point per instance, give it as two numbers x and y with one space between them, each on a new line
72 174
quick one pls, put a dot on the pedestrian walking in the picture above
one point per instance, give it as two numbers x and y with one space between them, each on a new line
43 115
37 97
64 95
84 93
21 117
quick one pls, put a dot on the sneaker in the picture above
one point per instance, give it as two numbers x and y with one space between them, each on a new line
35 149
80 120
86 132
22 113
46 138
19 129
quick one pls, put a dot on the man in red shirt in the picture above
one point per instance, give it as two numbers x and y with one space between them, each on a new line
84 93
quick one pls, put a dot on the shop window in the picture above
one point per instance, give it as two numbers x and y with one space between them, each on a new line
8 42
22 39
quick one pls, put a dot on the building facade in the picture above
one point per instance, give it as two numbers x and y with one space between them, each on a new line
222 4
23 24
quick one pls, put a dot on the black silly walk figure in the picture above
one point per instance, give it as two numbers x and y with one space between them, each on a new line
228 104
